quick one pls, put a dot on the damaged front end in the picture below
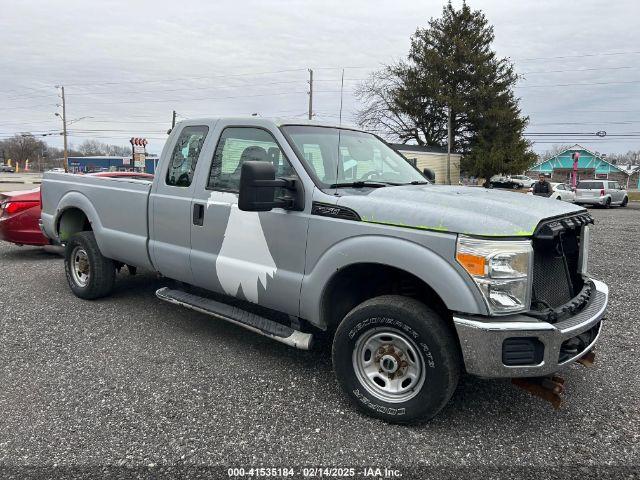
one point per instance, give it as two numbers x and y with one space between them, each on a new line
560 285
565 318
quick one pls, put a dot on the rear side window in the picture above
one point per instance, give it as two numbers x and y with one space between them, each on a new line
590 185
185 155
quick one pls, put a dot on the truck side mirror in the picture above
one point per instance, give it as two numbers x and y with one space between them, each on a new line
258 186
430 174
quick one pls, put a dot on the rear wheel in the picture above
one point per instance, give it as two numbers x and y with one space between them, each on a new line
396 359
89 274
624 202
607 203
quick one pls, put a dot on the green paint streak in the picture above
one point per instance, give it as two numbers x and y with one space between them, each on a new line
441 228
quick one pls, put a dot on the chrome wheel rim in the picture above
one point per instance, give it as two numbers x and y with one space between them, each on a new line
80 269
388 365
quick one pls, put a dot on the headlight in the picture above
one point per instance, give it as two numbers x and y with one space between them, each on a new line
501 269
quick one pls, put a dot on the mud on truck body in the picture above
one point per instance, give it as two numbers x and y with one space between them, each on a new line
292 228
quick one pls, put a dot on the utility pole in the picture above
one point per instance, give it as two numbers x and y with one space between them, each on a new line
64 129
449 146
310 94
173 120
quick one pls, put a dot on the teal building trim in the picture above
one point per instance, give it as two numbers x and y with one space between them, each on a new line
588 160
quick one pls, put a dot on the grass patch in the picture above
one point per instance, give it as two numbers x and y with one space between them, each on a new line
634 196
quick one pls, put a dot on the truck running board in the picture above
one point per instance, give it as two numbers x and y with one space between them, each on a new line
251 321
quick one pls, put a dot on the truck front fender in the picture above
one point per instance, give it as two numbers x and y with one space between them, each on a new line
457 292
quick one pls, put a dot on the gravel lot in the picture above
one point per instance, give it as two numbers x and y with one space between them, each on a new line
129 380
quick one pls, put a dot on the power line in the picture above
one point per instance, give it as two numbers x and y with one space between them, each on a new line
273 72
48 87
591 111
577 84
189 89
631 122
29 107
29 96
579 70
142 102
602 54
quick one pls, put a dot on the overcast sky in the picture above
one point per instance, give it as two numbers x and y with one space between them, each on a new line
128 64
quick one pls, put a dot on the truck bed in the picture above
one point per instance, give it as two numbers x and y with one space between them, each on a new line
116 207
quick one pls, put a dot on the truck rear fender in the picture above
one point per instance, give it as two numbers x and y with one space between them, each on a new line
439 275
73 213
117 245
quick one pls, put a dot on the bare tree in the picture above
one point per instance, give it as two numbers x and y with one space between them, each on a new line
387 109
23 147
96 148
632 157
553 151
92 147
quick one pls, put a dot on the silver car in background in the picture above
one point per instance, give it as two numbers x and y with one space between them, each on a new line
601 192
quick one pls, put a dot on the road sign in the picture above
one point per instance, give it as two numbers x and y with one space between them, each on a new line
139 160
139 151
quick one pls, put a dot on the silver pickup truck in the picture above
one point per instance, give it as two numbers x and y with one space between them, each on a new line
292 228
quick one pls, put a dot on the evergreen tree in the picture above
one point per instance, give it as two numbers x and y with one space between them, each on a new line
451 65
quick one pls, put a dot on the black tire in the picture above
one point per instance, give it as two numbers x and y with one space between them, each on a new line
101 273
433 339
607 204
625 201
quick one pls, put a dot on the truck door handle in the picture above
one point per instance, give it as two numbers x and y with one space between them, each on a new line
198 214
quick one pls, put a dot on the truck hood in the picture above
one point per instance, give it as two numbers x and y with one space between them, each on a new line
467 210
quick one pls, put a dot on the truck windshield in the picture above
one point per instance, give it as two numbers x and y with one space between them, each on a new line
343 157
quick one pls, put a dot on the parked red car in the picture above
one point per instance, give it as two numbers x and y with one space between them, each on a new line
20 212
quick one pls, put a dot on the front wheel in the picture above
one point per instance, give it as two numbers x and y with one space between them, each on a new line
625 201
89 273
396 359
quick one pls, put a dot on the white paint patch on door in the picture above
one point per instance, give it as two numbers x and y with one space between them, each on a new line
244 259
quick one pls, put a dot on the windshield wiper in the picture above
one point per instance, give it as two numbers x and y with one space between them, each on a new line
358 184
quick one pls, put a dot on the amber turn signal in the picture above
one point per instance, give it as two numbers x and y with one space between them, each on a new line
474 264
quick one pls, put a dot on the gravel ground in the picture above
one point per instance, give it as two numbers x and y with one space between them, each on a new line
129 380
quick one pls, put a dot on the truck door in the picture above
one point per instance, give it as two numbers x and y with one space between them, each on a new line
170 204
255 256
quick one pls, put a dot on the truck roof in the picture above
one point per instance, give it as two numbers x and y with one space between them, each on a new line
271 121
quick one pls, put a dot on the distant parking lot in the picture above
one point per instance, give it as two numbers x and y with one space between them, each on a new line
129 380
19 181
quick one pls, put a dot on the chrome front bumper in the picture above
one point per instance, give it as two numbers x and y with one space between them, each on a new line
481 338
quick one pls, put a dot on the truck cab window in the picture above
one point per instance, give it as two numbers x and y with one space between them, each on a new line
236 146
185 155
